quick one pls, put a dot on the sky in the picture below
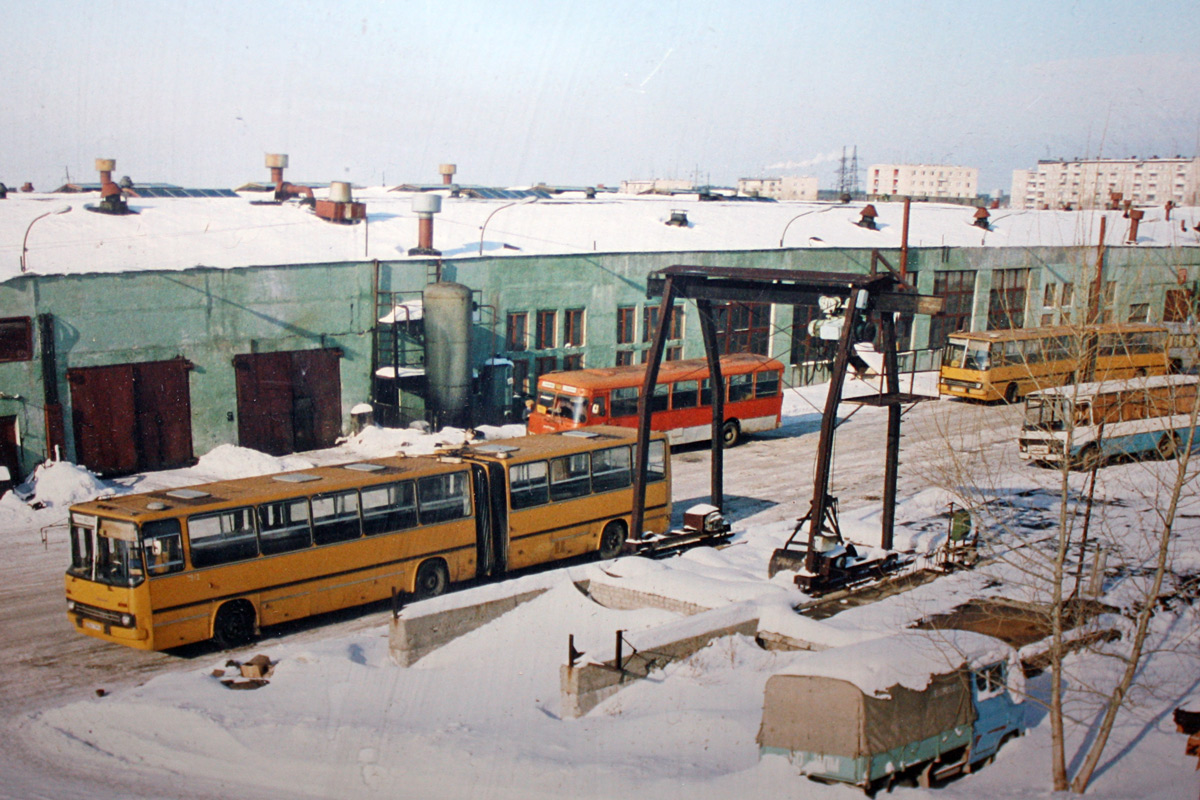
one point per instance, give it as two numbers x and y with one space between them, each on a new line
585 93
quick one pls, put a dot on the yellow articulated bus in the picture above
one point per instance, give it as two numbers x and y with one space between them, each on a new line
217 561
1009 364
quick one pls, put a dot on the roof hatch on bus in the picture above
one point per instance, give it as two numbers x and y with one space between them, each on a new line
186 494
363 466
296 477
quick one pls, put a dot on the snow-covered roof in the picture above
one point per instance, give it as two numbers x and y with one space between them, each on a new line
179 233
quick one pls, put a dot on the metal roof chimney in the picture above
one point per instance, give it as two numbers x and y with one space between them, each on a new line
447 172
1135 218
425 206
868 217
981 218
277 163
340 207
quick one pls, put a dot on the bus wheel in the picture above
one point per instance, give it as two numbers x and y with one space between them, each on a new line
1168 446
432 579
234 624
1089 458
612 540
731 432
1010 393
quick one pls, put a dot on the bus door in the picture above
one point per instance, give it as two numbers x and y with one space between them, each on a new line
491 519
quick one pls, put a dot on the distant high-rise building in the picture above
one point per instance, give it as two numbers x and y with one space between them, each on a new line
922 180
1094 183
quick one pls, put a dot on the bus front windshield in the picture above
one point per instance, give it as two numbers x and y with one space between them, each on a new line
962 354
569 406
1046 413
105 551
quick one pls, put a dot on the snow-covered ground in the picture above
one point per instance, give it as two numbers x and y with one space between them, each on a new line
481 717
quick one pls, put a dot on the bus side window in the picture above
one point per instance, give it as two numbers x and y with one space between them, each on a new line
283 526
741 387
335 517
684 394
660 397
527 485
221 537
387 508
163 544
1083 414
442 498
611 469
570 476
766 384
625 401
706 394
656 464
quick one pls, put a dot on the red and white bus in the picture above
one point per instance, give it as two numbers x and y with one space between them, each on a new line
682 402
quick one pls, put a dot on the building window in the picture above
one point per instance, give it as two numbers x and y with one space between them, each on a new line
650 322
1177 307
1139 312
625 323
547 364
573 327
958 288
1006 303
674 354
624 358
521 386
573 361
546 321
743 327
16 339
517 332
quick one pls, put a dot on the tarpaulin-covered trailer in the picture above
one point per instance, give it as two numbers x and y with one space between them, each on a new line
932 703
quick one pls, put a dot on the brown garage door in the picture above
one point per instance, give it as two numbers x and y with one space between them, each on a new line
132 417
289 401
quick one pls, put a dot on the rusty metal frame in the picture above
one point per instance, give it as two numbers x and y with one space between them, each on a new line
879 293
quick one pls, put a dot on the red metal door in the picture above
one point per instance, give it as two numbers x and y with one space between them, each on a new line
10 450
316 398
102 416
264 400
163 411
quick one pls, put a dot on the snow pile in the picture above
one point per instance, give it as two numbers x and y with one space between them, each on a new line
908 659
228 461
58 484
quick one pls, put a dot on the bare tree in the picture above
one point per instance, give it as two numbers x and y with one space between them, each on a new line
1050 570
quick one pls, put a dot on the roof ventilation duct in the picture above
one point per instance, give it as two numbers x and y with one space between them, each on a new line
425 206
1135 218
867 220
447 172
340 206
981 219
277 163
112 200
678 218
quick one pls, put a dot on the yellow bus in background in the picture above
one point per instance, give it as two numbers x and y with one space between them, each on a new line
218 561
1008 364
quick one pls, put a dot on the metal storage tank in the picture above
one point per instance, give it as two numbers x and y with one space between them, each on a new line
448 351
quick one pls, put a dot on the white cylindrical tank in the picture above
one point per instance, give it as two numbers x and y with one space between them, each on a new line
448 350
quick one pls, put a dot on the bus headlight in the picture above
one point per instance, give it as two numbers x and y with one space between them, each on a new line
127 620
70 605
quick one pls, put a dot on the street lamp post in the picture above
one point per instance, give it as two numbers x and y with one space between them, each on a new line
25 241
483 228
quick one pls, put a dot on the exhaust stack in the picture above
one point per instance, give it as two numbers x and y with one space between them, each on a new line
425 206
447 172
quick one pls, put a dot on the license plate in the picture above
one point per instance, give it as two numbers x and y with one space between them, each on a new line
91 623
1039 450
